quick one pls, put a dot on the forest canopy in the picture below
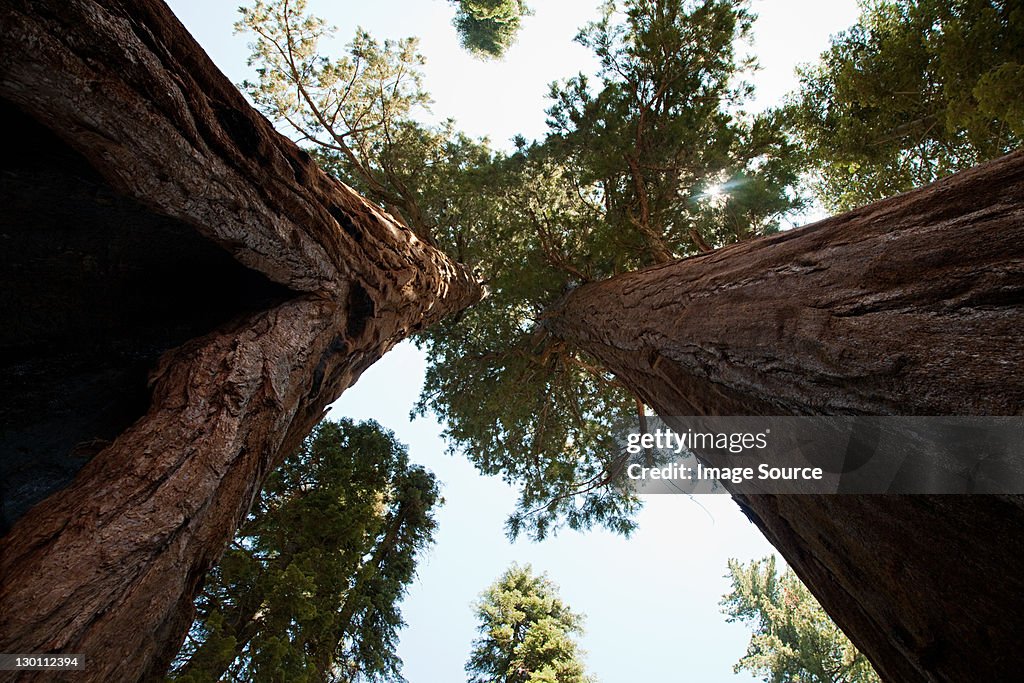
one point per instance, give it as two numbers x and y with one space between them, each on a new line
915 90
628 256
652 158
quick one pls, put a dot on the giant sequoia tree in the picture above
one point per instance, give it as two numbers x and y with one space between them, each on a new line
907 306
169 232
911 305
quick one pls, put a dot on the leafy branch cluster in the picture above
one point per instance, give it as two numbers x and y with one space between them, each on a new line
488 28
794 640
915 90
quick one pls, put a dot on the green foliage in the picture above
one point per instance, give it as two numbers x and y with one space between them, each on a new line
356 115
354 111
678 163
526 633
488 28
623 180
309 589
794 641
915 90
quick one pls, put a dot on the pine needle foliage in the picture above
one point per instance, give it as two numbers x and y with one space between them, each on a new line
915 90
526 633
794 640
309 589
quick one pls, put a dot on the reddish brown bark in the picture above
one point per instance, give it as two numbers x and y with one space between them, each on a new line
913 305
108 567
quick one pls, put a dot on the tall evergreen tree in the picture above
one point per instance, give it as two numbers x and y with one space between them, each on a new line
915 90
794 640
123 109
309 589
526 633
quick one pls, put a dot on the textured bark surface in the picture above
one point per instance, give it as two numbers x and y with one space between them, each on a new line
910 306
108 567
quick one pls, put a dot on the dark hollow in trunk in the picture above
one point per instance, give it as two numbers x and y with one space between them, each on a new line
184 292
94 289
913 305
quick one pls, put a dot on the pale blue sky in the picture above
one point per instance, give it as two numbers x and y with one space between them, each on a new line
651 601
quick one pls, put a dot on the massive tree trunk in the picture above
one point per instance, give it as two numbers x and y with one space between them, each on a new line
910 306
138 171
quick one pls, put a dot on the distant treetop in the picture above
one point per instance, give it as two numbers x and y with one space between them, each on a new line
488 28
526 633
